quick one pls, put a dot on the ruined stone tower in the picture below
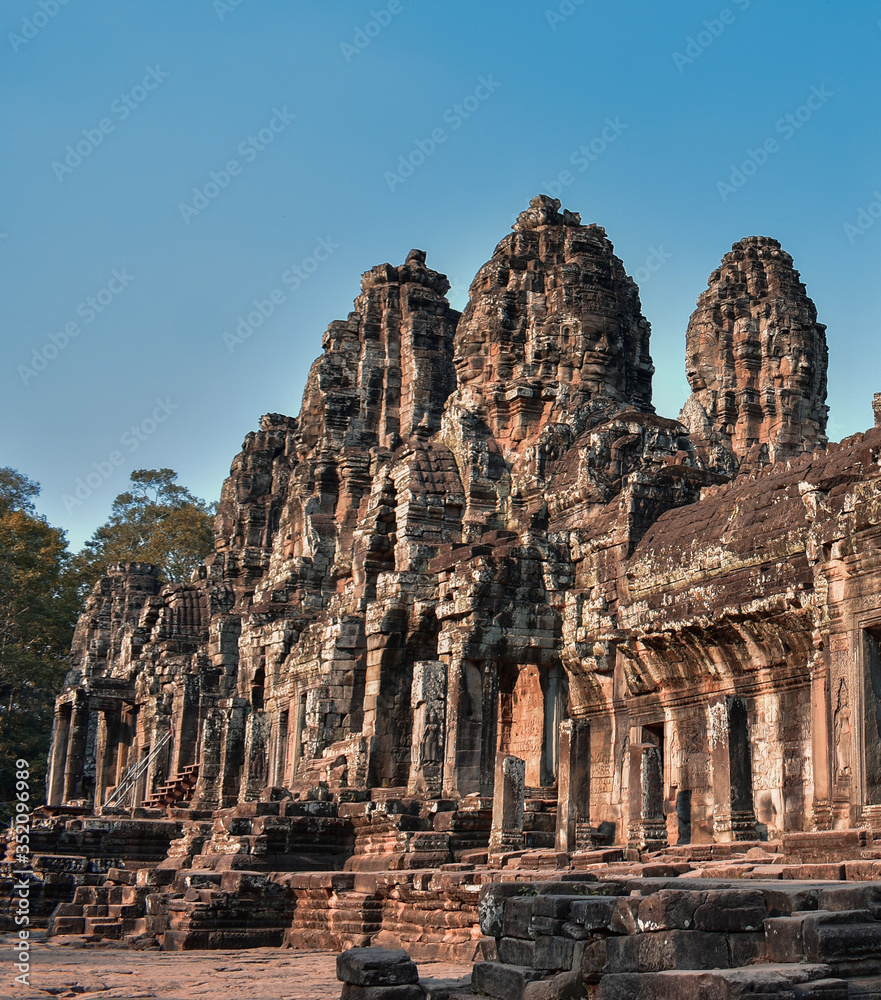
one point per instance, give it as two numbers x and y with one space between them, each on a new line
756 361
477 541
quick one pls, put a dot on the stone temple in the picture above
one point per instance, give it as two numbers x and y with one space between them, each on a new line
477 611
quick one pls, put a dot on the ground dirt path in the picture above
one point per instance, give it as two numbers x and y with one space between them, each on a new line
70 970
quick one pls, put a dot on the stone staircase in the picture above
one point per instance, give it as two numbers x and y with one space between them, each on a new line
111 911
178 790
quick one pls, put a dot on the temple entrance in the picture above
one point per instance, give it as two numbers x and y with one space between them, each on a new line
653 774
871 719
647 823
740 757
531 705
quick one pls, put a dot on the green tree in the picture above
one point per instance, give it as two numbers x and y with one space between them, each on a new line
157 521
38 609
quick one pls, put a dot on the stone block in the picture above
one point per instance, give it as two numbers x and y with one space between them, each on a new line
555 906
822 989
407 992
503 982
491 906
565 986
517 919
593 912
546 925
836 937
747 948
669 909
593 959
376 967
553 952
516 951
759 982
860 896
661 950
731 910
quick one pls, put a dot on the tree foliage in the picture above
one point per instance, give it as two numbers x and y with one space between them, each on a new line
157 521
38 609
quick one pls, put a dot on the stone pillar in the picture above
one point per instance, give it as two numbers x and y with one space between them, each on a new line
58 755
733 815
553 711
106 752
256 774
573 786
508 805
158 771
75 760
428 702
717 737
876 408
822 745
647 825
207 794
464 715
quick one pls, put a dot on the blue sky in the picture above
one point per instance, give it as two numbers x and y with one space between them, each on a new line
323 108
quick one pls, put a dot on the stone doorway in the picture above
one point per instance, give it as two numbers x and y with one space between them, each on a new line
871 717
531 705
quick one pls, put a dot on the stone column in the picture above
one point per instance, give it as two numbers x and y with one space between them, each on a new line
647 826
464 715
255 775
733 815
822 745
508 805
58 755
75 761
160 766
106 752
717 737
207 794
428 702
553 711
573 786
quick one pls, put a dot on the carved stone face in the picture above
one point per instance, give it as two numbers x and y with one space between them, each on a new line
756 359
553 316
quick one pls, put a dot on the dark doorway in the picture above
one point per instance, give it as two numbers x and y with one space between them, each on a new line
872 714
653 773
740 757
683 815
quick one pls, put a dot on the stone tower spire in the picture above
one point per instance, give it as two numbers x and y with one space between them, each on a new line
756 361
